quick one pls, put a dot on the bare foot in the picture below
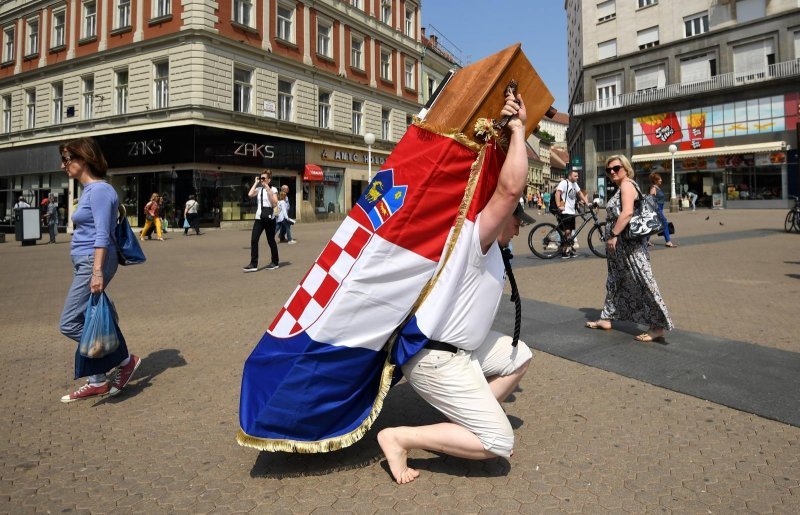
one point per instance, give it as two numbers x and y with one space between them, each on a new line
397 456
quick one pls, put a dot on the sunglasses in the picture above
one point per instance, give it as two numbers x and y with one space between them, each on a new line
614 169
263 178
66 159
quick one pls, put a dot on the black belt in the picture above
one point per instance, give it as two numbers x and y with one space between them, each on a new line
437 345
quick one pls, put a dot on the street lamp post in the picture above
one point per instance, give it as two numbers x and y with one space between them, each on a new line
369 139
673 199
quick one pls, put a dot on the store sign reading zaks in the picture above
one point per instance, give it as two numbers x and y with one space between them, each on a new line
254 150
145 147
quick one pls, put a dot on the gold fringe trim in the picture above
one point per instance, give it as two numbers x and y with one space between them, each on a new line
346 440
449 132
330 444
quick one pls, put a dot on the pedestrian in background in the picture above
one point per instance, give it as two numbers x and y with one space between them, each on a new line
190 213
655 190
631 290
693 200
94 263
267 200
52 217
283 220
152 212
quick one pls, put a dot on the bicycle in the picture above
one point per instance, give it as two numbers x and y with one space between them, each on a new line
793 216
545 238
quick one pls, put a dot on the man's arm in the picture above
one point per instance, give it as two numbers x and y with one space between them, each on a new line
512 179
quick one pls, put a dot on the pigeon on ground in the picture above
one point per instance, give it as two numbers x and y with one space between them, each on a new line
709 216
721 223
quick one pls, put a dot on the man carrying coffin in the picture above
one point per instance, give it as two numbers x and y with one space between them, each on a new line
466 369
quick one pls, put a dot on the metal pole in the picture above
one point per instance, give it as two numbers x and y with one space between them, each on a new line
673 199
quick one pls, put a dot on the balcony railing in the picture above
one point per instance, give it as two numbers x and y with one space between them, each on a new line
782 70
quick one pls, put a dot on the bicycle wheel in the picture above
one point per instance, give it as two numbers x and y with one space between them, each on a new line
545 240
597 240
789 224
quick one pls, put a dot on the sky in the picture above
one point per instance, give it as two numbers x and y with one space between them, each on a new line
476 28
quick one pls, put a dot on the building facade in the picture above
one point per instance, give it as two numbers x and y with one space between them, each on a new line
712 84
198 96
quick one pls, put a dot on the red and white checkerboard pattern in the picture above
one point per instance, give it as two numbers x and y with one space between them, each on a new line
318 287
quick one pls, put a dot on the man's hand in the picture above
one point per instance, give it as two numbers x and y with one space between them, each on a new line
515 108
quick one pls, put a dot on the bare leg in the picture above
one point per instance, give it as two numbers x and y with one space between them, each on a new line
445 437
502 386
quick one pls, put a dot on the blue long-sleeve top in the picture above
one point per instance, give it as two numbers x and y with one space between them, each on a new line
94 219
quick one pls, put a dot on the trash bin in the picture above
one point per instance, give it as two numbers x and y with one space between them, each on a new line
27 226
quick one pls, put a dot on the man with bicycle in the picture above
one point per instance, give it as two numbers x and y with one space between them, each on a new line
567 193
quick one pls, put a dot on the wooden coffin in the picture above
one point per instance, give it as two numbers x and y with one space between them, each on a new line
478 91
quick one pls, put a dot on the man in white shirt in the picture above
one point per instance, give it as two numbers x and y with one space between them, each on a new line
266 200
567 194
466 369
21 203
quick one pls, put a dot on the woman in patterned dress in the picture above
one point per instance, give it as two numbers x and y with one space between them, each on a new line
631 290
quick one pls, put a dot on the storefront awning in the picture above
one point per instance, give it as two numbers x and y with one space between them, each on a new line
313 173
772 146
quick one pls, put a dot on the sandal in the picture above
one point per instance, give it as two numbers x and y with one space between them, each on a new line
650 244
669 244
647 338
596 325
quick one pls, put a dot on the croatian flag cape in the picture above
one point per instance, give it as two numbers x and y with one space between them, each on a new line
317 379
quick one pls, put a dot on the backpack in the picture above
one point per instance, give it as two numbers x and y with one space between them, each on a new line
553 207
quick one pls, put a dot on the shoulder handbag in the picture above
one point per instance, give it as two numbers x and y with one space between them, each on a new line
129 251
645 220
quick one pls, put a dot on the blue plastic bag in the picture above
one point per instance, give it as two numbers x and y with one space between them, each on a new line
101 335
186 223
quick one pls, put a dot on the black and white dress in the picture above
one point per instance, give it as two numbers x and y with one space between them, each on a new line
631 290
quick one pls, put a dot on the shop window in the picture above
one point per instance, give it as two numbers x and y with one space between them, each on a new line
609 136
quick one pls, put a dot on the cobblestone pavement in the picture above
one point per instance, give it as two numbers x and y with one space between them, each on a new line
587 440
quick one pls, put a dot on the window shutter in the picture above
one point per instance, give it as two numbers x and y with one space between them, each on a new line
797 45
751 57
650 77
607 49
606 10
647 36
696 69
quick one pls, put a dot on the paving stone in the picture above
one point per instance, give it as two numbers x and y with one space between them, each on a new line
605 442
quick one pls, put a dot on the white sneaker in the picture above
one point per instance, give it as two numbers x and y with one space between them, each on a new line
291 242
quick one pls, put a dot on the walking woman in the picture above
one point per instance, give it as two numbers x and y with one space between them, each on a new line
655 190
152 213
631 290
191 216
94 263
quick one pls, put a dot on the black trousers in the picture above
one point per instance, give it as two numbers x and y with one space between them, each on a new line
194 223
268 227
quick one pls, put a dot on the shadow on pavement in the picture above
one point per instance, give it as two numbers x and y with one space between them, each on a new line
152 365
